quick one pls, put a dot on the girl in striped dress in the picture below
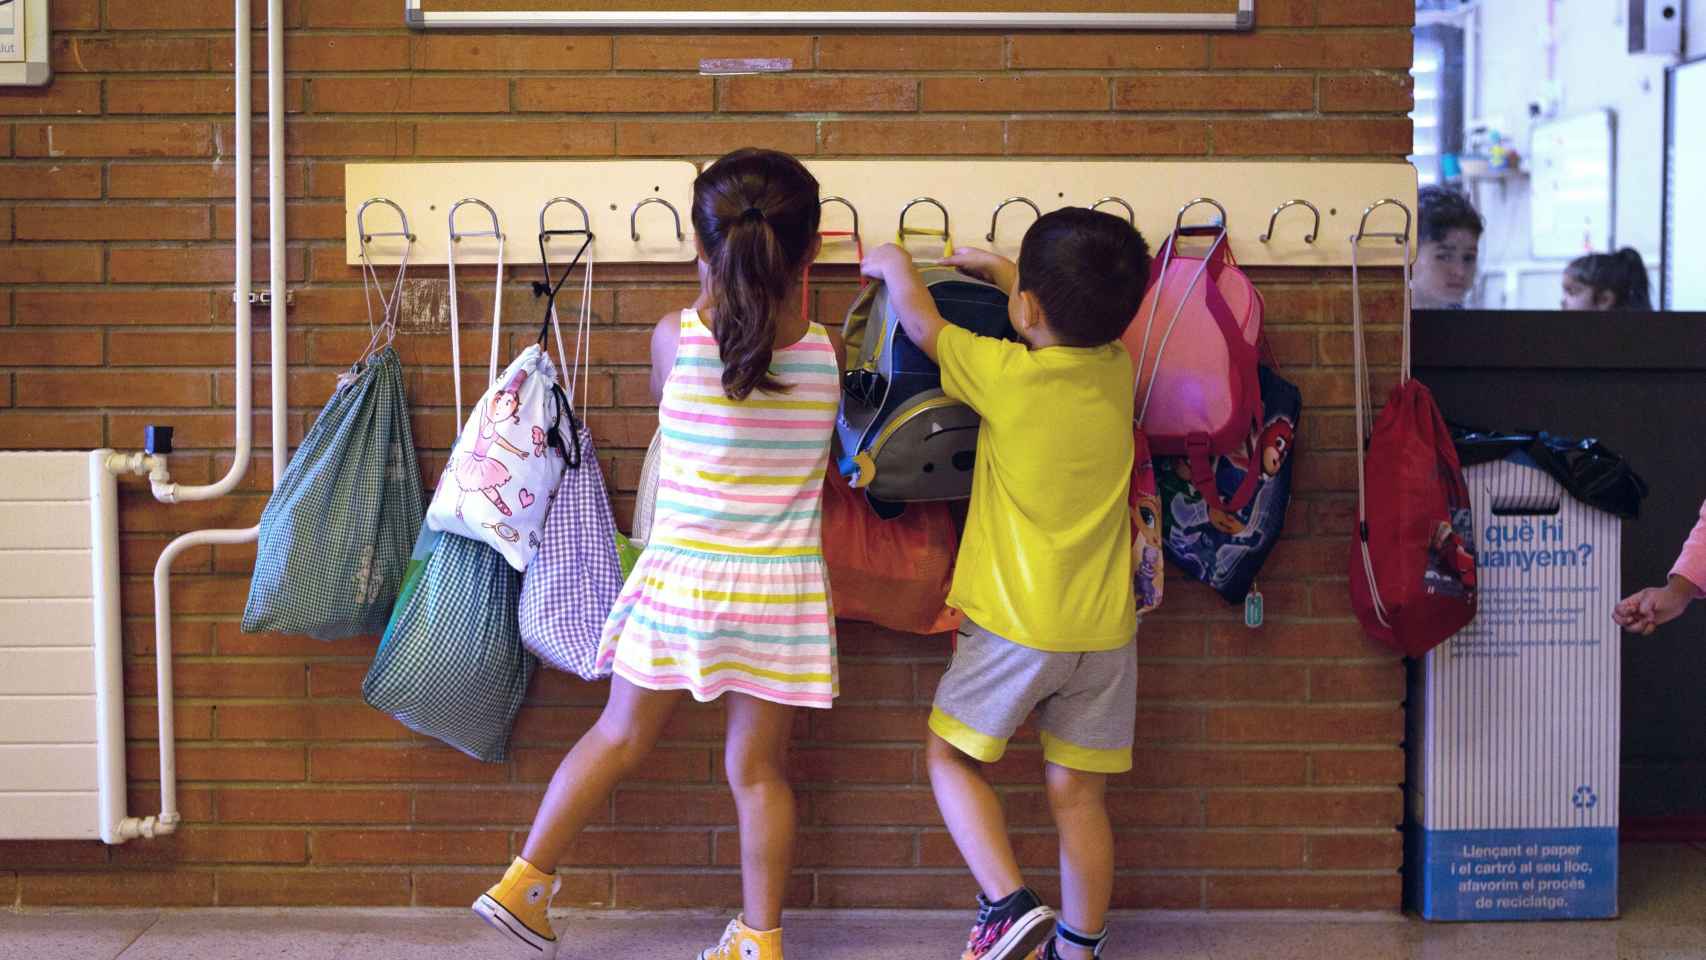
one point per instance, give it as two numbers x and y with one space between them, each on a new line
731 598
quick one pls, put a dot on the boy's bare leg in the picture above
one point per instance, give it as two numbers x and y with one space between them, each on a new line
1078 801
974 817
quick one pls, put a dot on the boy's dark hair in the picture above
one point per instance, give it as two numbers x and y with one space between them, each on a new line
756 213
1623 274
1088 269
1443 210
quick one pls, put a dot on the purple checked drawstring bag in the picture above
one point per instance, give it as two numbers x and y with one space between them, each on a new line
575 578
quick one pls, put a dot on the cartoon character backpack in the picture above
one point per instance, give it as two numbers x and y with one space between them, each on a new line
900 438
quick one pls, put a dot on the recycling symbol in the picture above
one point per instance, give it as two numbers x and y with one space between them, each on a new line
1585 798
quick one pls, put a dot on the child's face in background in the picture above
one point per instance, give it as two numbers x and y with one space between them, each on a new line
1445 270
1580 296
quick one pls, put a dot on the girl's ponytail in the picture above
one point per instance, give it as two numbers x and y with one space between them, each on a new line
1622 274
756 214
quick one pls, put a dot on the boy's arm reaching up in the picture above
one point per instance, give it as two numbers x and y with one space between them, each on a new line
918 314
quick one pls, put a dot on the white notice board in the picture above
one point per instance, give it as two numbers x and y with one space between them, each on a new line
1684 284
1573 200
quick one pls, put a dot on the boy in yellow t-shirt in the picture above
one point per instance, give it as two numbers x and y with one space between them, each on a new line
1044 571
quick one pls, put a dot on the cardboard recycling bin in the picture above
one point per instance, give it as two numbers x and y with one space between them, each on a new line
1515 721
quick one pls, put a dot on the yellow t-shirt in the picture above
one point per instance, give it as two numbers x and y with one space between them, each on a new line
1046 559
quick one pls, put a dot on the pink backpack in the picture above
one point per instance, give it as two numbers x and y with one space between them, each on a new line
1194 345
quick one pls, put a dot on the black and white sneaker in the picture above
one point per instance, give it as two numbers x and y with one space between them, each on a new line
1009 929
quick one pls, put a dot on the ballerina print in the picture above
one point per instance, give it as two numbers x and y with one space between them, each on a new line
479 469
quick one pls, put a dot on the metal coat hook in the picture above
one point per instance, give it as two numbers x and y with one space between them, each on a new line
1362 228
634 218
1314 231
996 216
586 221
1130 214
850 208
931 201
496 230
1184 231
361 227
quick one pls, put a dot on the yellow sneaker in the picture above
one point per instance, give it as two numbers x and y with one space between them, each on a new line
517 905
741 942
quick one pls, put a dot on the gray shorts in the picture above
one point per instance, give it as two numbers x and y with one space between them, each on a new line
1086 703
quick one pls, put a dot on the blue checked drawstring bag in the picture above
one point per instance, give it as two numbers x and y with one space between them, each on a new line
573 581
451 664
334 536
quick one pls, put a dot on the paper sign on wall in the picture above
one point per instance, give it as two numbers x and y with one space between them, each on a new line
11 31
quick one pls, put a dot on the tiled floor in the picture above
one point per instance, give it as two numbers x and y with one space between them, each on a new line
1663 899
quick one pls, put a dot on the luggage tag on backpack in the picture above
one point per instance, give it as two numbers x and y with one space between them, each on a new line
1253 608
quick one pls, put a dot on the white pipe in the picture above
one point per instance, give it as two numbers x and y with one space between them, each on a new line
109 645
166 821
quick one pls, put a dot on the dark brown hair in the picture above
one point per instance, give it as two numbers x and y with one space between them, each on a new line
1623 274
756 213
1088 269
1442 210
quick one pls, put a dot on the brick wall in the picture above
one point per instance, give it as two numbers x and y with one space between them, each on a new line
1269 761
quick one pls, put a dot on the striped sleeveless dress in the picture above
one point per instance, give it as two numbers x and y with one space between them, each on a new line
731 592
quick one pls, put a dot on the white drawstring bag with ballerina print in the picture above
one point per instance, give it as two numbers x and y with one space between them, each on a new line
510 456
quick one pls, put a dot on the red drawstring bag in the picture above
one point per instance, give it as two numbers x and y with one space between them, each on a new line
894 573
1412 558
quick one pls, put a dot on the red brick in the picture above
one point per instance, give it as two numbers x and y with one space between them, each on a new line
1118 51
195 804
1357 851
704 888
198 181
676 806
347 138
892 807
1286 13
195 515
1366 13
1303 891
1383 683
1232 681
209 763
117 888
42 181
1032 93
75 15
1306 724
1368 93
351 13
189 721
514 138
344 722
1338 136
405 764
786 94
581 888
646 138
912 890
111 138
36 430
202 264
1317 808
143 95
639 848
199 844
182 15
931 52
411 95
685 51
51 348
1158 767
863 849
1295 639
614 94
322 52
1307 50
56 264
1157 892
64 97
312 806
129 53
913 137
1357 768
512 54
60 854
293 888
1099 137
384 847
1214 92
1214 850
111 389
112 221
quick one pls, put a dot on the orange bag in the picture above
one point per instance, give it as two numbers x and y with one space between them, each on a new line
894 573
